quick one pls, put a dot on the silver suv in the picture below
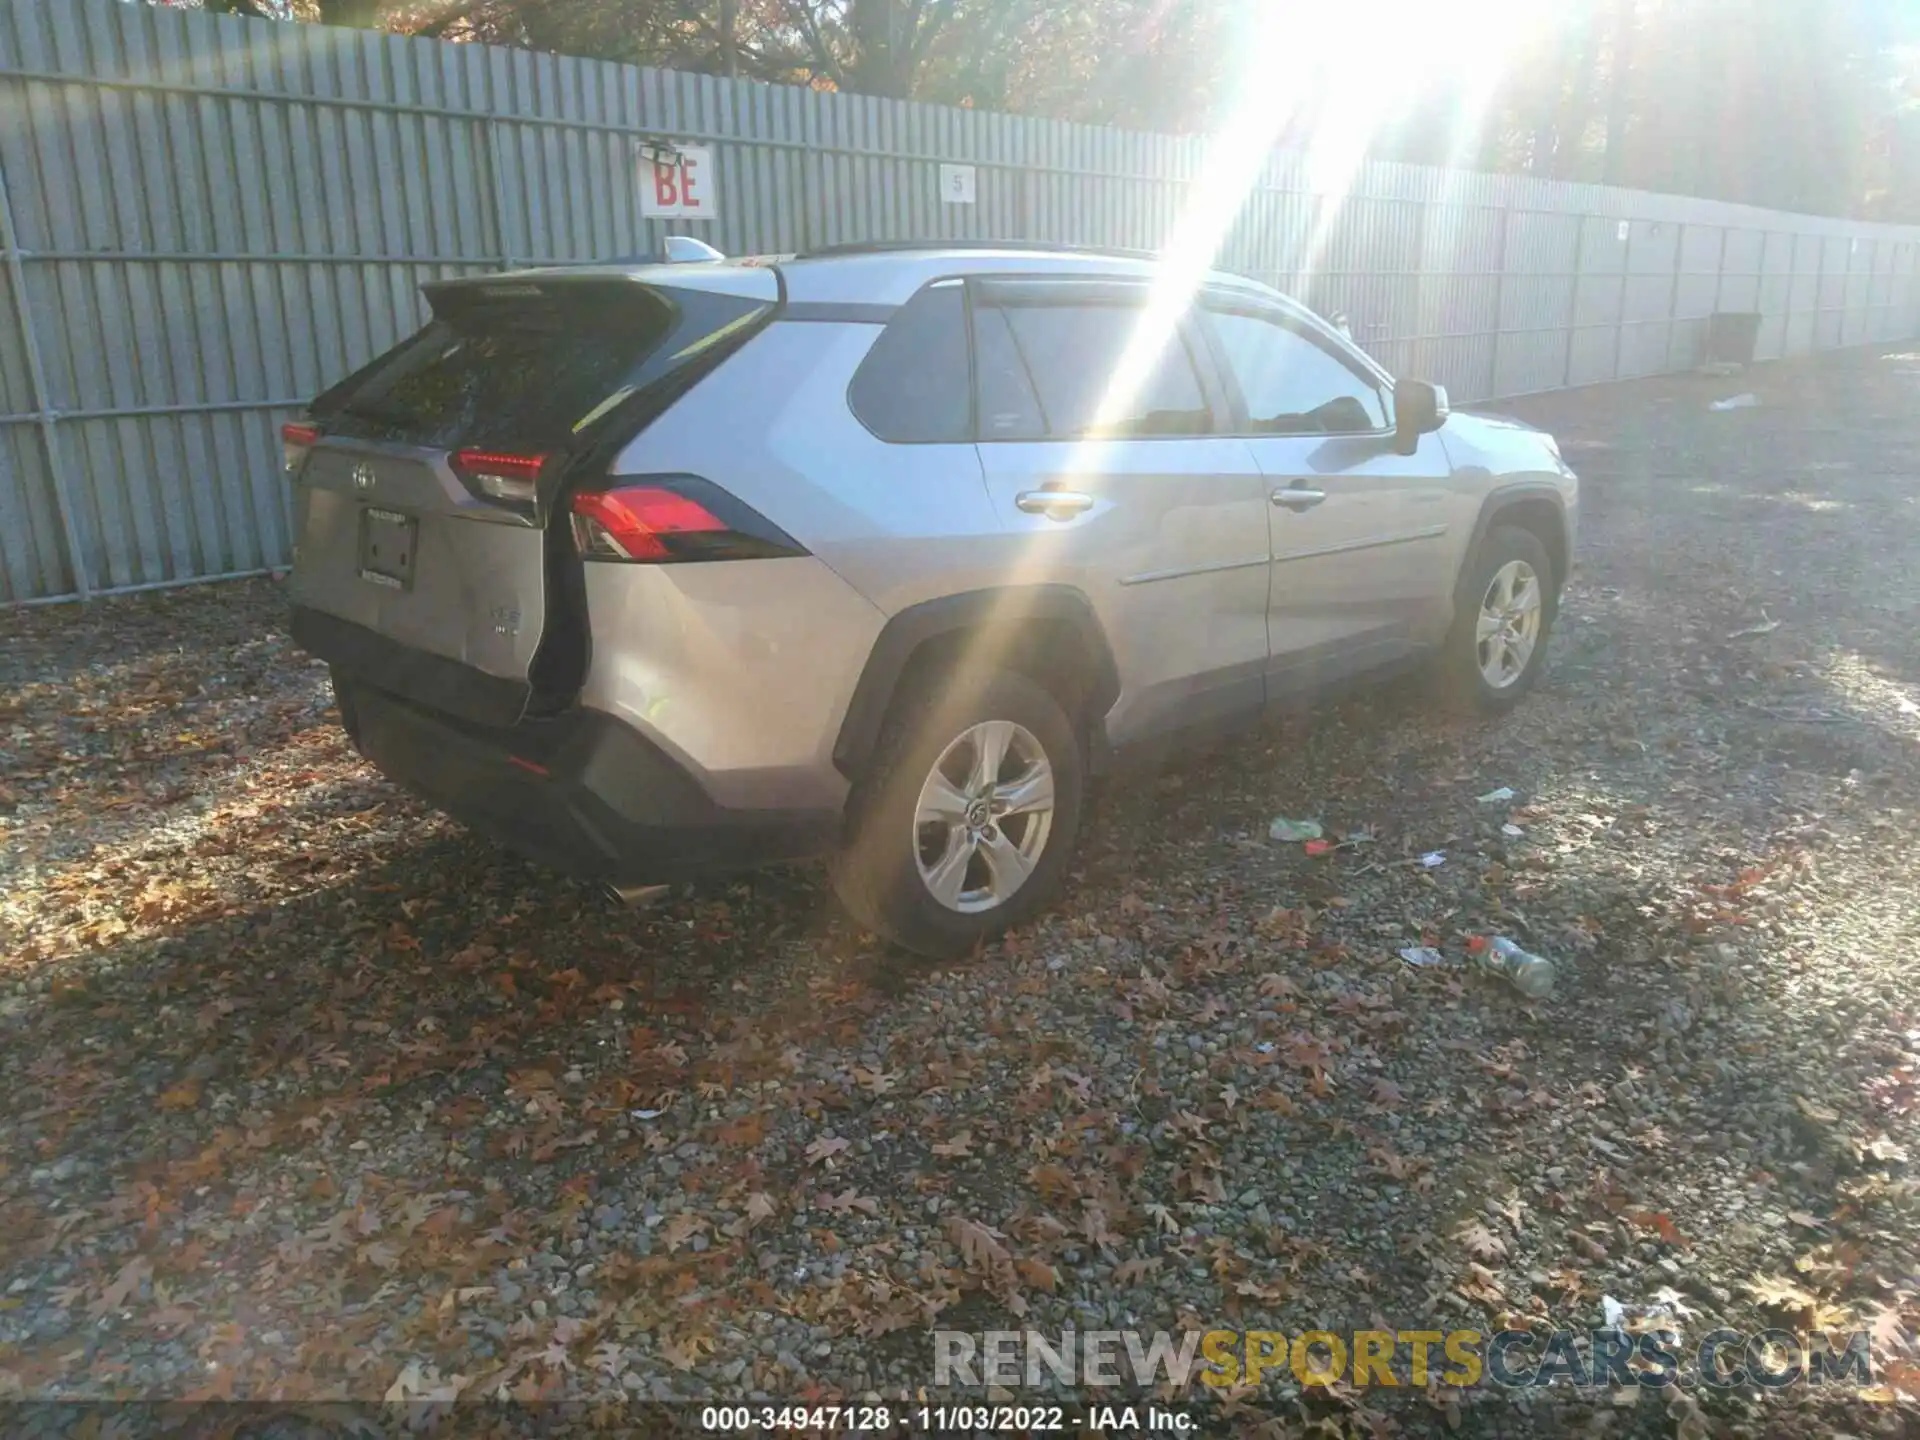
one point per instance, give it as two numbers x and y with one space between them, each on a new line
882 553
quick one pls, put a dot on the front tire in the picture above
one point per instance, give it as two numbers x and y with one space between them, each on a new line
1498 644
967 823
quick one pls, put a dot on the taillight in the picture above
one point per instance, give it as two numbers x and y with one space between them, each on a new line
500 475
666 519
296 440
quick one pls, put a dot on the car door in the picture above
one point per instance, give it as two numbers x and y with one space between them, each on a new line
1357 531
1099 423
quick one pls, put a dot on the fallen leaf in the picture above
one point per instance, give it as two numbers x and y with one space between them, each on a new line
1384 1093
125 1285
184 1095
1480 1241
1662 1225
825 1148
748 1130
1038 1274
979 1246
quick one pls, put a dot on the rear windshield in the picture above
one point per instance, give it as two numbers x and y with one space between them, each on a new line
528 365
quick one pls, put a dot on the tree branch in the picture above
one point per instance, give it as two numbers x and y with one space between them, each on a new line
925 27
447 18
816 42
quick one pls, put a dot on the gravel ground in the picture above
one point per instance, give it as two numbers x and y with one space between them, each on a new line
311 1095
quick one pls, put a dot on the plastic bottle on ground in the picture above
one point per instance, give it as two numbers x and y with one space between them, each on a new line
1528 973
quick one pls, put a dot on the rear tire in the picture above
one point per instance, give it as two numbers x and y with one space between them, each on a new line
943 854
1497 647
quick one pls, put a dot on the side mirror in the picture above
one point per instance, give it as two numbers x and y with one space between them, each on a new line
1418 409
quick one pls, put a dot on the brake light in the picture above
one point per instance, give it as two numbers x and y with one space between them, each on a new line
499 475
296 440
673 518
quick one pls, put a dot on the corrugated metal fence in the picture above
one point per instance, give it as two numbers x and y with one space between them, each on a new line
205 220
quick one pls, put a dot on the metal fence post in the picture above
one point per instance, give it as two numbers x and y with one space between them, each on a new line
1499 300
1913 290
1417 328
44 414
1673 294
1793 283
1620 313
490 183
1573 295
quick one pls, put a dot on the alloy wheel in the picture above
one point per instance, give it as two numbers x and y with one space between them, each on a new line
983 816
1509 625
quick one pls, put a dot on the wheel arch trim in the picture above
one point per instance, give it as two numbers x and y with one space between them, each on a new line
1506 498
908 631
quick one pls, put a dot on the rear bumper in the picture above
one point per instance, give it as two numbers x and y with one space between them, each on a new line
581 793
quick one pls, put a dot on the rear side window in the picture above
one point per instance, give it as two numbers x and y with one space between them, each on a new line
912 387
526 365
1072 353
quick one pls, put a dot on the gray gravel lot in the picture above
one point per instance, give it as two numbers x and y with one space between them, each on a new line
311 1095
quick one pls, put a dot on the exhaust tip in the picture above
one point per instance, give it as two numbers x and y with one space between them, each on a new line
633 897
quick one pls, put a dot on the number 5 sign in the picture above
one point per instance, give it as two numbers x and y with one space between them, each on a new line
677 182
956 184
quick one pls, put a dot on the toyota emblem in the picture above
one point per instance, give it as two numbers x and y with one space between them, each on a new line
363 477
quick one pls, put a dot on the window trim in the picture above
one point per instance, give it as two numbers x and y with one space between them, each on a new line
997 289
1378 381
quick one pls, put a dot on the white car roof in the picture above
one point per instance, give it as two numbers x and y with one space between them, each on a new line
881 276
894 276
886 275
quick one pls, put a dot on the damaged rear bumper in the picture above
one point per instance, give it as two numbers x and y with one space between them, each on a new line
581 793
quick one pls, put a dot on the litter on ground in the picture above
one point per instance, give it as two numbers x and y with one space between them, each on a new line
1293 831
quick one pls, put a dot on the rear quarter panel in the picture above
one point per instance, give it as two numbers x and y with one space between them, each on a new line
744 670
897 522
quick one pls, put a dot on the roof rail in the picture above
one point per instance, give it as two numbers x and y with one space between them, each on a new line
885 247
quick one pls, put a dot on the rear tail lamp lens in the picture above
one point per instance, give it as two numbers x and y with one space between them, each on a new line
499 475
296 439
670 519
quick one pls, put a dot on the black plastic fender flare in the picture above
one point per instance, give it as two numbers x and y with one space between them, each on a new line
1502 499
973 610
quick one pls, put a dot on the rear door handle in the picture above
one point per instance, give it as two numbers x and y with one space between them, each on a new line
1298 497
1054 504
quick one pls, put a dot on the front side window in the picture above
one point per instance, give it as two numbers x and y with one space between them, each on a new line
1291 385
1071 355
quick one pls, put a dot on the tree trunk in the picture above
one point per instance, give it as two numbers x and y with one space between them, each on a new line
1576 102
729 39
1715 39
882 62
1619 93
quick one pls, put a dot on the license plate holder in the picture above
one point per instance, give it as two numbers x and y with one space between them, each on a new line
389 545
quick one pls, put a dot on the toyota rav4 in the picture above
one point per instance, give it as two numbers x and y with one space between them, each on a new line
881 553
